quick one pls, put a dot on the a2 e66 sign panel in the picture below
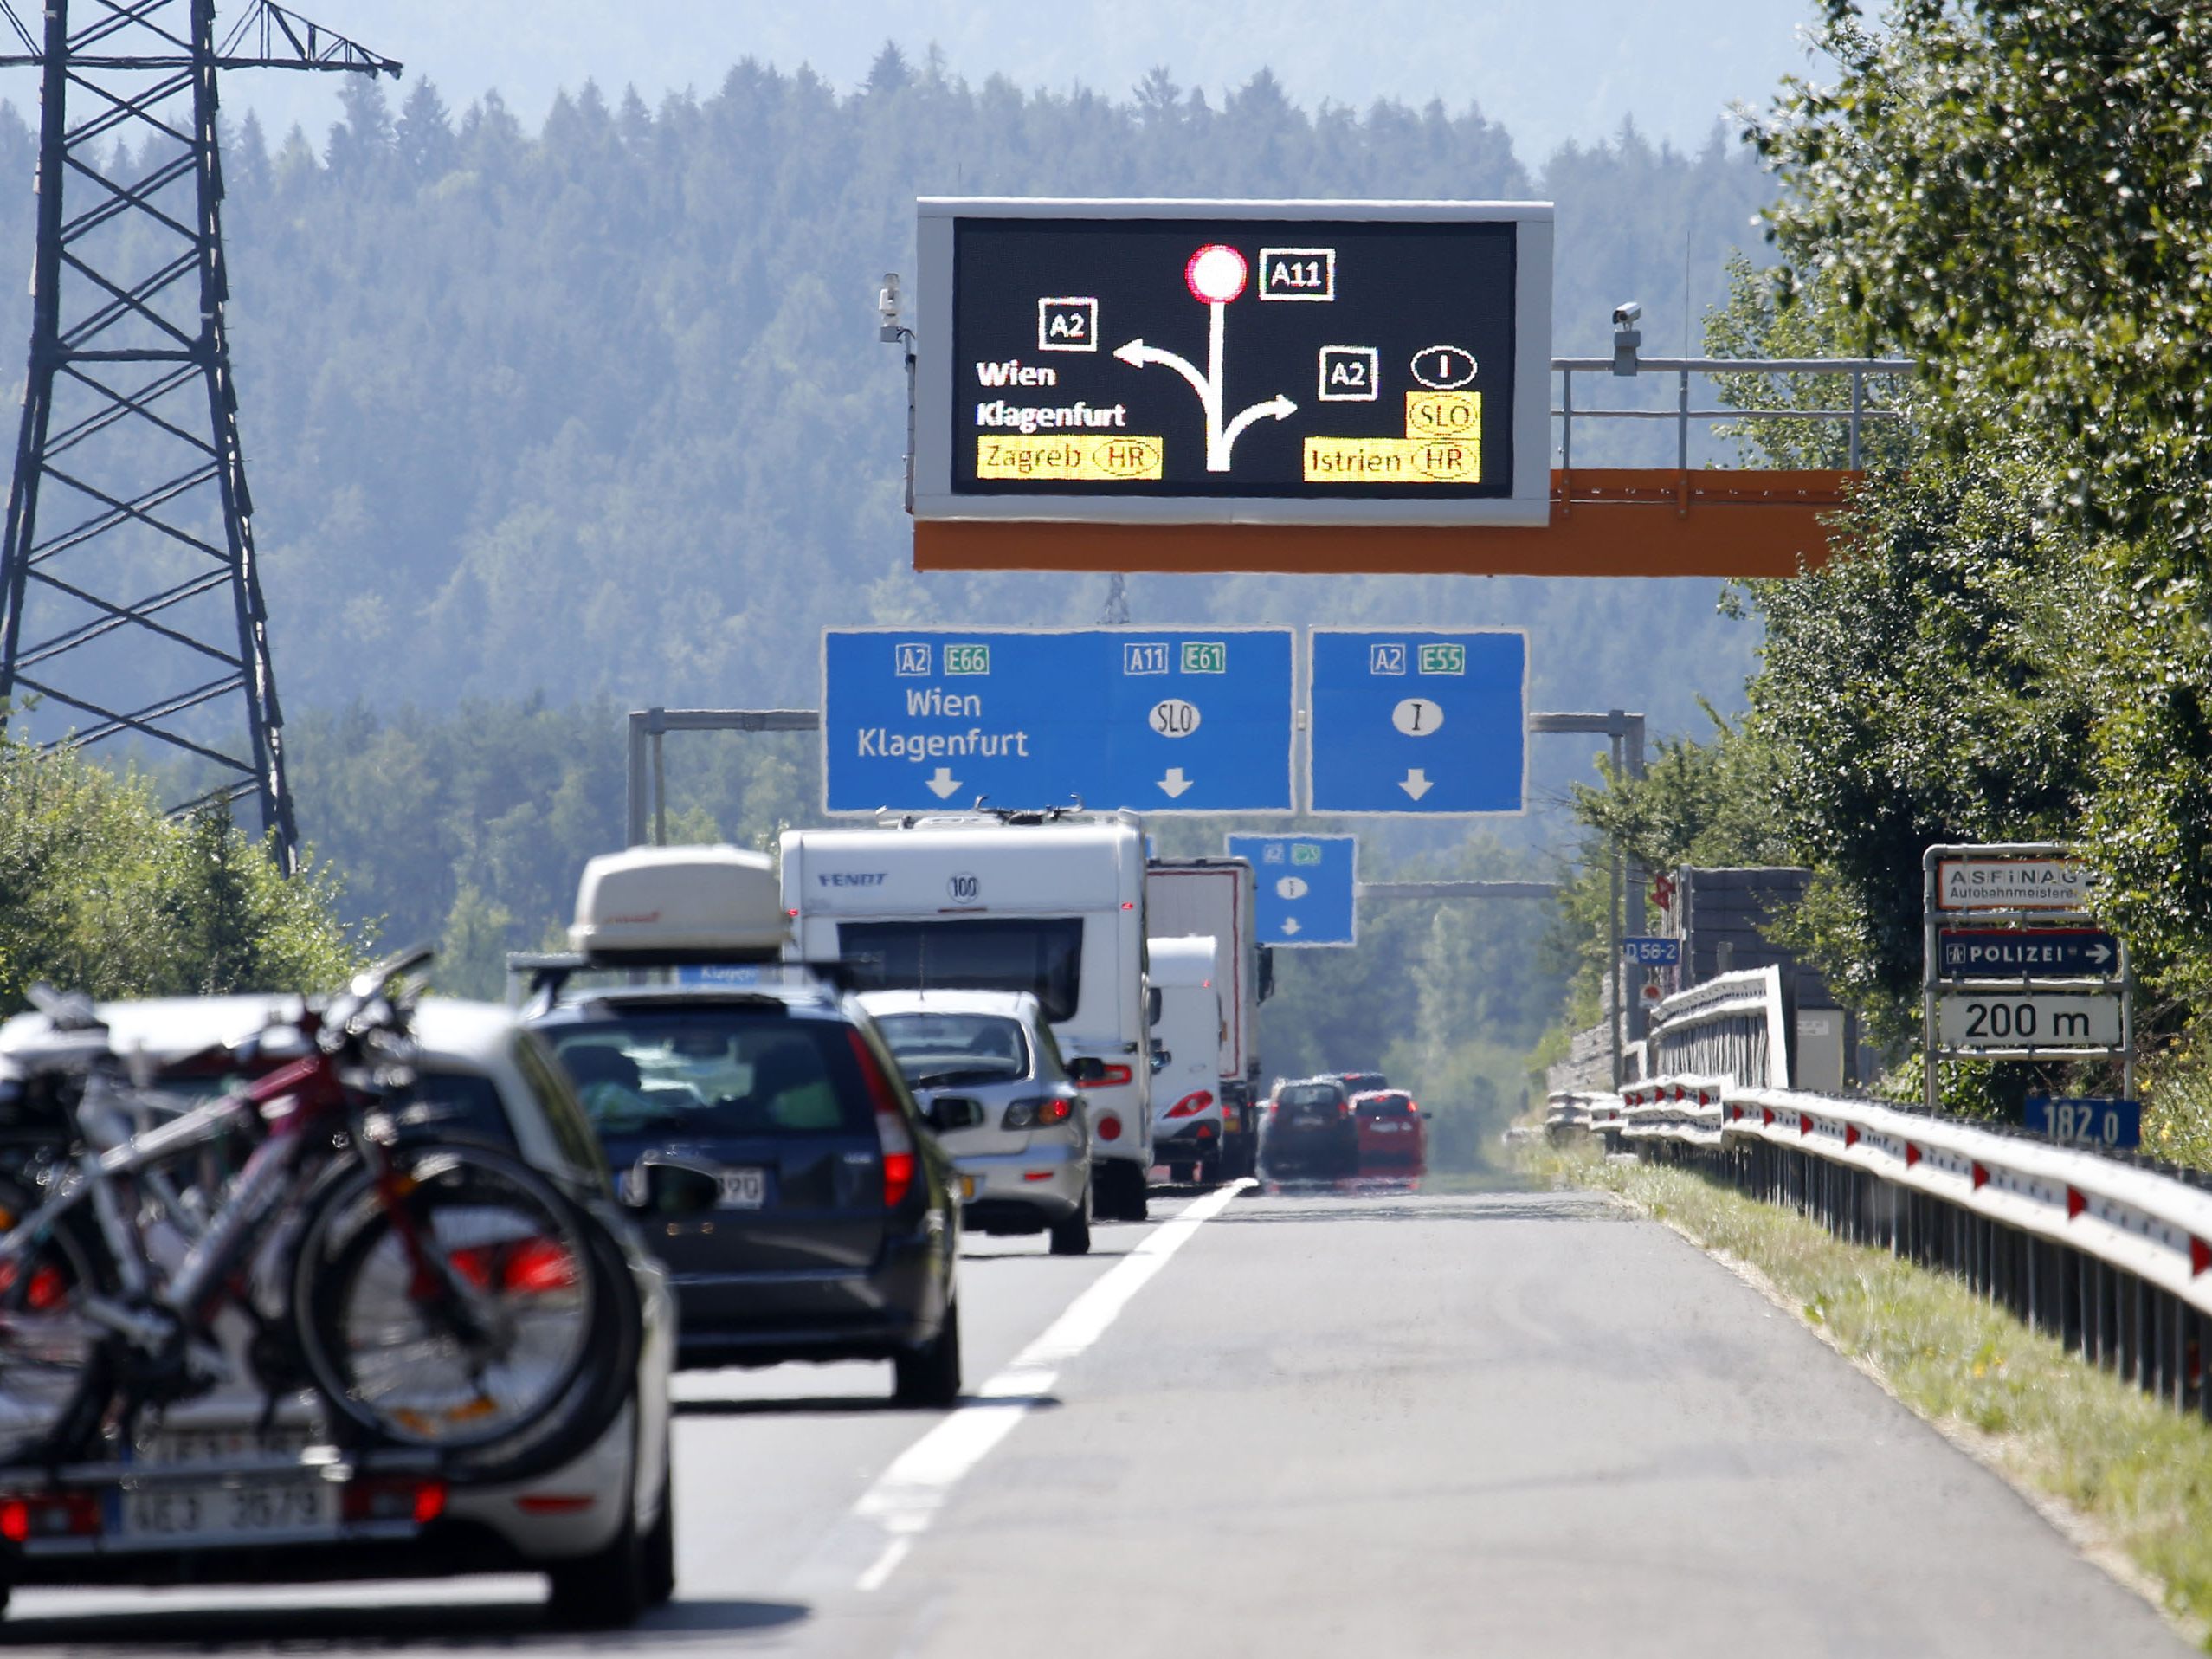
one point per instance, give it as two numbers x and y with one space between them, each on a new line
1156 362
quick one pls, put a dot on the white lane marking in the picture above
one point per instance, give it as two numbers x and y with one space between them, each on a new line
907 1496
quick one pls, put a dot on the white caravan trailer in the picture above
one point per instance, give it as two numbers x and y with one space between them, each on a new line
1051 903
1214 896
1187 1089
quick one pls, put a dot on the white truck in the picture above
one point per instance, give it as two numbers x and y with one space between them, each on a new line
1052 903
1187 1038
1213 897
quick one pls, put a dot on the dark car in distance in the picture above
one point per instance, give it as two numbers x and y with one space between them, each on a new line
1309 1130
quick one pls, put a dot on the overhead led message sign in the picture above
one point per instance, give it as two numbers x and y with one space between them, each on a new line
1157 362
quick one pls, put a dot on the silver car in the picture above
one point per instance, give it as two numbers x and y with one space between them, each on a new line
991 1084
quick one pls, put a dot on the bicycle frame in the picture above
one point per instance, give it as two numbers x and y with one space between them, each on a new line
286 1109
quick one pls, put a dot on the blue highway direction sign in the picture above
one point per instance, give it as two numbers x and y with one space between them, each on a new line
1408 721
1157 720
1652 951
2027 954
2082 1121
1305 885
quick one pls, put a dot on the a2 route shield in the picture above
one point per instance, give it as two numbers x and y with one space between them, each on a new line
1412 721
1156 720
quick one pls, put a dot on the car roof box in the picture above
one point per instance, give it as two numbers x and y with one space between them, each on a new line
654 905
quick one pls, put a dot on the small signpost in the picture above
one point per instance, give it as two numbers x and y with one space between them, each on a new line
2082 1121
2014 968
1305 890
1653 951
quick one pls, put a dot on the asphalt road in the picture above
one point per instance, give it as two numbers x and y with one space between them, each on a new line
1314 1423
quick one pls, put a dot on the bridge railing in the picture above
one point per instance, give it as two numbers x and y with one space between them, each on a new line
2111 1255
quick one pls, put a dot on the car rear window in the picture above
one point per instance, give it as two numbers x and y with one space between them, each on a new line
714 1070
1042 955
944 1047
1386 1105
1310 1094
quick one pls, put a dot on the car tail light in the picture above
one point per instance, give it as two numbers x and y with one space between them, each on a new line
1109 1127
1112 1077
1192 1104
403 1499
49 1515
1041 1112
891 1132
555 1503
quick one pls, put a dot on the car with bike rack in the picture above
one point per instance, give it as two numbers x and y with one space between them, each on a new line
758 1122
295 1291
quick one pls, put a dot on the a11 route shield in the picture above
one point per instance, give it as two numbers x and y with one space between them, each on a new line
1410 721
1158 721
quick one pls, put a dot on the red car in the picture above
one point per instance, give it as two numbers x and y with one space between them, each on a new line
1390 1129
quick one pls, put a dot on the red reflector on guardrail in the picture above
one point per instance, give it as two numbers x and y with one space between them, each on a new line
1980 1177
1850 1134
2075 1204
1911 1154
2199 1257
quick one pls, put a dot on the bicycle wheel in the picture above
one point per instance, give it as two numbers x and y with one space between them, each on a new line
53 1361
481 1315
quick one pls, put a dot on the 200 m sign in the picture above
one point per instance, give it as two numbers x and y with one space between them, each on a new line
1996 1021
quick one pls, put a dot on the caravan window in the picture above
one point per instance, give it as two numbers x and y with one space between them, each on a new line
1043 955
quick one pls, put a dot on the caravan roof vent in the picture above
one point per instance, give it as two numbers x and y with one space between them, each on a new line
689 904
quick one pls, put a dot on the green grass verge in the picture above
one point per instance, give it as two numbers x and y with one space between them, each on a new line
2139 1472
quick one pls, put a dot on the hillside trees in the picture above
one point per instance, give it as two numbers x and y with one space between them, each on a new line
100 893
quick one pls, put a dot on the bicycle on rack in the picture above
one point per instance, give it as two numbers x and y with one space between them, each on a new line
440 1296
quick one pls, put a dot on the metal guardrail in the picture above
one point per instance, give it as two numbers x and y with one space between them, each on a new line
1732 1026
2109 1256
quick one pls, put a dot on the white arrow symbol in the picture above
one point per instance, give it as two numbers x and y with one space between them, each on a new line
943 785
1415 782
1278 408
1208 385
2098 954
1175 783
1290 924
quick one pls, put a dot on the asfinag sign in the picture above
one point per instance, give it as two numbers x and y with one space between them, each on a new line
2004 883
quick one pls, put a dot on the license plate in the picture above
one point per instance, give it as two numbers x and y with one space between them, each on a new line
268 1509
967 1188
744 1188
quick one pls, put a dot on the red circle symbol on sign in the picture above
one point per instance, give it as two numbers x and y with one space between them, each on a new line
1215 274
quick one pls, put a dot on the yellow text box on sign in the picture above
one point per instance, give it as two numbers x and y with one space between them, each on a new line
1443 415
1393 460
1091 457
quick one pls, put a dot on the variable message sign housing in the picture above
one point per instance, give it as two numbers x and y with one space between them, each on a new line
1157 362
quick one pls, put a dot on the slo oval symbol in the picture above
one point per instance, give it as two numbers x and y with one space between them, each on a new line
1175 718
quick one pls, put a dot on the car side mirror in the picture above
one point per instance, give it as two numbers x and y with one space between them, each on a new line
658 1185
1084 1069
1153 1004
1160 1057
949 1112
1267 972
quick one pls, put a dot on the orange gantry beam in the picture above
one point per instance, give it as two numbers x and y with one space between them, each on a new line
1605 522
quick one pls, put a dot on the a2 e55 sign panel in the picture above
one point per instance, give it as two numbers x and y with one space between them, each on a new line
1159 362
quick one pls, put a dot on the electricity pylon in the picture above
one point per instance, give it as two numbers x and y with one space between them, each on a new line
130 597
